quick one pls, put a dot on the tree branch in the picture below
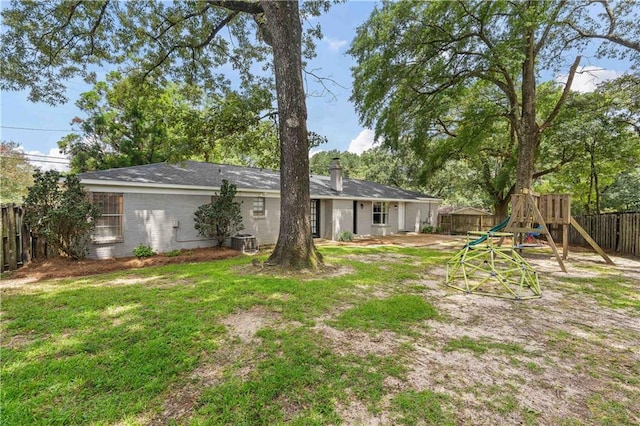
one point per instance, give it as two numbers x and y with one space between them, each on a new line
563 98
322 81
194 47
543 39
446 129
96 24
612 18
72 11
238 6
215 31
555 168
182 19
610 35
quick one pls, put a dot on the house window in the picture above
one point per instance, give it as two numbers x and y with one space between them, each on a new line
258 206
109 225
380 213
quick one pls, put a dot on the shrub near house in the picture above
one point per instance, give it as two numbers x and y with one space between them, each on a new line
221 218
61 213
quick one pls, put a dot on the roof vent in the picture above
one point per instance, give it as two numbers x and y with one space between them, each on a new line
335 168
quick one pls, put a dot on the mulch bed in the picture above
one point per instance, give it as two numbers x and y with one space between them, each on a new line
63 267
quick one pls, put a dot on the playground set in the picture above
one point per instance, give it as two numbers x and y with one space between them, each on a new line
485 266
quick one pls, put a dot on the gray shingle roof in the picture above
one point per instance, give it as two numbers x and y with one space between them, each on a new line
209 175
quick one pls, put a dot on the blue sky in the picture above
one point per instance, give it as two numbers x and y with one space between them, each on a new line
331 115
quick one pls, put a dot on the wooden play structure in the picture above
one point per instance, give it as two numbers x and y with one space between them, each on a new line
484 266
531 213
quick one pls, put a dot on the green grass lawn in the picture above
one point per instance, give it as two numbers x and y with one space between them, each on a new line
108 348
156 346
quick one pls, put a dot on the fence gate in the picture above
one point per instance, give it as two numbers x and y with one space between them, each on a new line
13 237
18 245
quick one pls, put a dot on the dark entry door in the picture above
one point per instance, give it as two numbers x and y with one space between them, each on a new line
355 217
315 218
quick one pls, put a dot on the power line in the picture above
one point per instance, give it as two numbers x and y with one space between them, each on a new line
43 155
38 130
46 159
25 154
49 161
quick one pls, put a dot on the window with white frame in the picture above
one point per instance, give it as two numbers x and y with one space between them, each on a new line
109 224
258 206
380 213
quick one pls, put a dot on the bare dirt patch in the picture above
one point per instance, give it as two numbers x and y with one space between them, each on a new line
61 267
350 342
382 258
561 358
355 412
242 326
181 402
245 324
569 350
18 341
325 271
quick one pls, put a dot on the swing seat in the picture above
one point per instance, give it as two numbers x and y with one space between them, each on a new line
526 245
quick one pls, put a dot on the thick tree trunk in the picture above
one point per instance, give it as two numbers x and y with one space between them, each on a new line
530 137
501 208
295 248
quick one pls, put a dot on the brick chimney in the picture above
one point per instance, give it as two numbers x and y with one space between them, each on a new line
335 168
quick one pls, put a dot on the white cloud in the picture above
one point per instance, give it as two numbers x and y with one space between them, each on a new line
51 161
334 44
587 78
362 142
314 151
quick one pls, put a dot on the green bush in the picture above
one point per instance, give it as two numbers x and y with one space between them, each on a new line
173 253
345 236
428 229
221 218
143 251
61 212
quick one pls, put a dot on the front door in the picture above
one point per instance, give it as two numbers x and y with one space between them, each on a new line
355 217
315 218
401 216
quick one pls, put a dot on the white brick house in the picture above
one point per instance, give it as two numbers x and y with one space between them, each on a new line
154 205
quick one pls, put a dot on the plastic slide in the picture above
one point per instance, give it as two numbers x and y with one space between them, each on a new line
499 227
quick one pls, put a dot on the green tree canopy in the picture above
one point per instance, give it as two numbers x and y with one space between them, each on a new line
131 123
17 173
623 194
601 134
419 61
351 163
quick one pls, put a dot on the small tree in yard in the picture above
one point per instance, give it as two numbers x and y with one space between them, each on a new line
61 213
221 218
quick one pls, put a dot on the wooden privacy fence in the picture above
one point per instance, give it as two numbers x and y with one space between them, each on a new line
18 246
616 232
462 223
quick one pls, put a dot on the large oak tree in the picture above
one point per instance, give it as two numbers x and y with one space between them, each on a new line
417 60
46 44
